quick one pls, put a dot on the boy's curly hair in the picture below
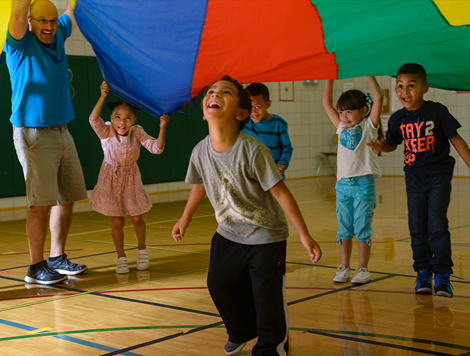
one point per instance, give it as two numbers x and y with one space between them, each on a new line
243 96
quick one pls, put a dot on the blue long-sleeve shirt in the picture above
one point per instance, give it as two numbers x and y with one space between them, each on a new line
273 134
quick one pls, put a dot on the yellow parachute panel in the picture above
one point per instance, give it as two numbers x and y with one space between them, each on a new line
5 10
456 12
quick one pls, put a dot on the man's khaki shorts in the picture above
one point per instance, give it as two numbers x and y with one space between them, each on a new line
51 166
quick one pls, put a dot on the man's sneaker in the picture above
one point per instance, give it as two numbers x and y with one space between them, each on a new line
63 265
424 281
442 285
42 274
121 265
231 348
142 260
342 275
361 276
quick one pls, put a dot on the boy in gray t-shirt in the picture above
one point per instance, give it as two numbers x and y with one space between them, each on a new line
248 252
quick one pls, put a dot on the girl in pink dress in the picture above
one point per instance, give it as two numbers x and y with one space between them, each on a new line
119 191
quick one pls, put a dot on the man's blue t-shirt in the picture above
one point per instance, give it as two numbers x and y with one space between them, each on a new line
39 77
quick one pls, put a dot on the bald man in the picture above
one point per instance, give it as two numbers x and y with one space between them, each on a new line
41 110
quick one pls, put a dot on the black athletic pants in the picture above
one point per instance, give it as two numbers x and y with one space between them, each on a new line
246 283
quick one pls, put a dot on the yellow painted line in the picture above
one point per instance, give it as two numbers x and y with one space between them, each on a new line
100 290
416 307
37 331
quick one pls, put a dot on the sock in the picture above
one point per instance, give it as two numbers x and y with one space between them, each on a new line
52 259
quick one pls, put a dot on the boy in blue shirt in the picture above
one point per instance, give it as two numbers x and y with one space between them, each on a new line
426 128
268 128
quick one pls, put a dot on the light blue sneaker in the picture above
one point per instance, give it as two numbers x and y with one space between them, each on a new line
231 348
424 281
442 286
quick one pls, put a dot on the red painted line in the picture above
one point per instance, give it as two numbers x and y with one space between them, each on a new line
27 253
177 244
203 288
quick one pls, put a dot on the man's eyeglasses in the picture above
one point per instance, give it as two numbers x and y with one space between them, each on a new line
44 22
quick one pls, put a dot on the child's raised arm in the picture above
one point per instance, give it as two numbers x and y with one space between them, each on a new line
198 192
376 109
162 134
328 103
95 114
287 202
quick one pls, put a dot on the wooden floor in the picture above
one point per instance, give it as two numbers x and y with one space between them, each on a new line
167 309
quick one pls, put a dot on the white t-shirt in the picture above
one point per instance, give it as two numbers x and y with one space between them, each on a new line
355 158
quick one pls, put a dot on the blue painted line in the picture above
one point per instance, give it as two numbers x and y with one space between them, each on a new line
16 325
68 338
95 345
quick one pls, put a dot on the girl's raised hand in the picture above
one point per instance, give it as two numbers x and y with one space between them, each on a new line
164 120
104 87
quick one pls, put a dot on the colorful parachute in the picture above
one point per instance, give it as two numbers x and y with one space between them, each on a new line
158 54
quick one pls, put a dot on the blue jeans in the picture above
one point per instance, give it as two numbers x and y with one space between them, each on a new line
428 200
356 198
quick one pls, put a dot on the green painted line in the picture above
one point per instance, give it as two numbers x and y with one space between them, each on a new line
165 327
95 241
135 246
99 330
459 227
100 290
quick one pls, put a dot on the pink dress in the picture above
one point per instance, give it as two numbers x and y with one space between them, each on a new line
119 191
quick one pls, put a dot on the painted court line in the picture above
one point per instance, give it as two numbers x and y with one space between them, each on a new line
383 344
152 342
36 331
94 292
196 328
132 226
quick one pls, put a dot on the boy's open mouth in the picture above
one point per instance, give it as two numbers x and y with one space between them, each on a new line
214 105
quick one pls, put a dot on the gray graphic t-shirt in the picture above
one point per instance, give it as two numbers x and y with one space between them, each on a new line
237 183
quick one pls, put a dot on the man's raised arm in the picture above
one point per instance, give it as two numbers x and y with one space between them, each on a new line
69 11
19 19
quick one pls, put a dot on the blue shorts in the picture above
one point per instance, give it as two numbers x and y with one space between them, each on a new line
356 198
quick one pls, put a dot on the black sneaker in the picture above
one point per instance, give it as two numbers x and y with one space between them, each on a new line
64 266
42 274
231 348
